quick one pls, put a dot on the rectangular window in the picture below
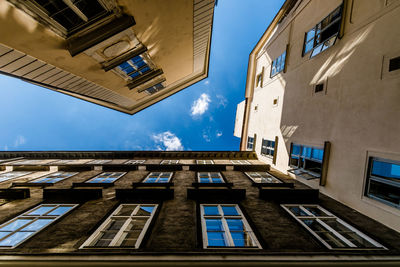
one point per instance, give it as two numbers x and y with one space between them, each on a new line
21 228
394 64
67 161
135 67
278 65
169 161
263 177
69 15
31 162
225 226
204 161
331 231
158 177
106 177
250 142
210 177
306 161
154 88
383 181
268 148
324 34
12 175
125 227
99 161
135 161
240 162
54 177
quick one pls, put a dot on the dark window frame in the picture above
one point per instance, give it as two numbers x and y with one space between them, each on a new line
269 150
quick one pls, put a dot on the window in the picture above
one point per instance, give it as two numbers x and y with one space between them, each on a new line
210 177
134 67
204 161
135 161
394 64
250 142
68 16
225 226
21 228
306 161
263 177
259 78
68 161
99 161
106 177
240 162
154 88
158 177
169 161
278 65
324 34
319 88
383 181
268 148
12 175
30 162
125 227
331 231
54 177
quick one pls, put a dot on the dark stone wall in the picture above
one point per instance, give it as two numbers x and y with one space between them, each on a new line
176 228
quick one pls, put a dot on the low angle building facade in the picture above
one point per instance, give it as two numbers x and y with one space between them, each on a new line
124 55
322 101
157 208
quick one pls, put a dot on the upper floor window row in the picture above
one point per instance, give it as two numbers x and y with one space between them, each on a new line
169 161
383 181
53 178
210 177
263 177
240 162
158 177
106 177
204 161
12 175
324 34
278 65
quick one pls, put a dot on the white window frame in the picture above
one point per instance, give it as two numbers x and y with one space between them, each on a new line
240 162
135 161
118 175
70 174
228 237
99 161
18 174
89 243
35 218
31 162
210 178
204 161
250 143
158 177
263 176
169 161
330 229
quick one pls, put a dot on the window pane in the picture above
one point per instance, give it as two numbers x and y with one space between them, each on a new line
15 238
211 210
297 211
126 210
214 225
40 211
385 169
37 225
229 210
60 211
216 239
316 211
18 223
145 211
235 224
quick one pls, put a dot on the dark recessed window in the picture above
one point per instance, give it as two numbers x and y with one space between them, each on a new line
319 88
250 142
383 181
275 102
394 64
324 34
72 14
134 67
155 88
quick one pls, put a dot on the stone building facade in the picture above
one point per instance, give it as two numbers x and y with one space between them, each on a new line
175 208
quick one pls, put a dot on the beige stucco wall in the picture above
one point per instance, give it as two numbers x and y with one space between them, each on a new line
359 112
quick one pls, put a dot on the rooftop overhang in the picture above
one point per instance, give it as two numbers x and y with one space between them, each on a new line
172 37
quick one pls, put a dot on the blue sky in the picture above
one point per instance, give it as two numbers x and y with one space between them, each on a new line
200 117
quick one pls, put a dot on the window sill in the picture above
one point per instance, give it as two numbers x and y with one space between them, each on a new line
103 185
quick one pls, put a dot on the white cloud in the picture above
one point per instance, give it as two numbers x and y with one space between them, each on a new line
5 148
20 140
200 105
207 82
206 137
167 141
222 101
219 133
